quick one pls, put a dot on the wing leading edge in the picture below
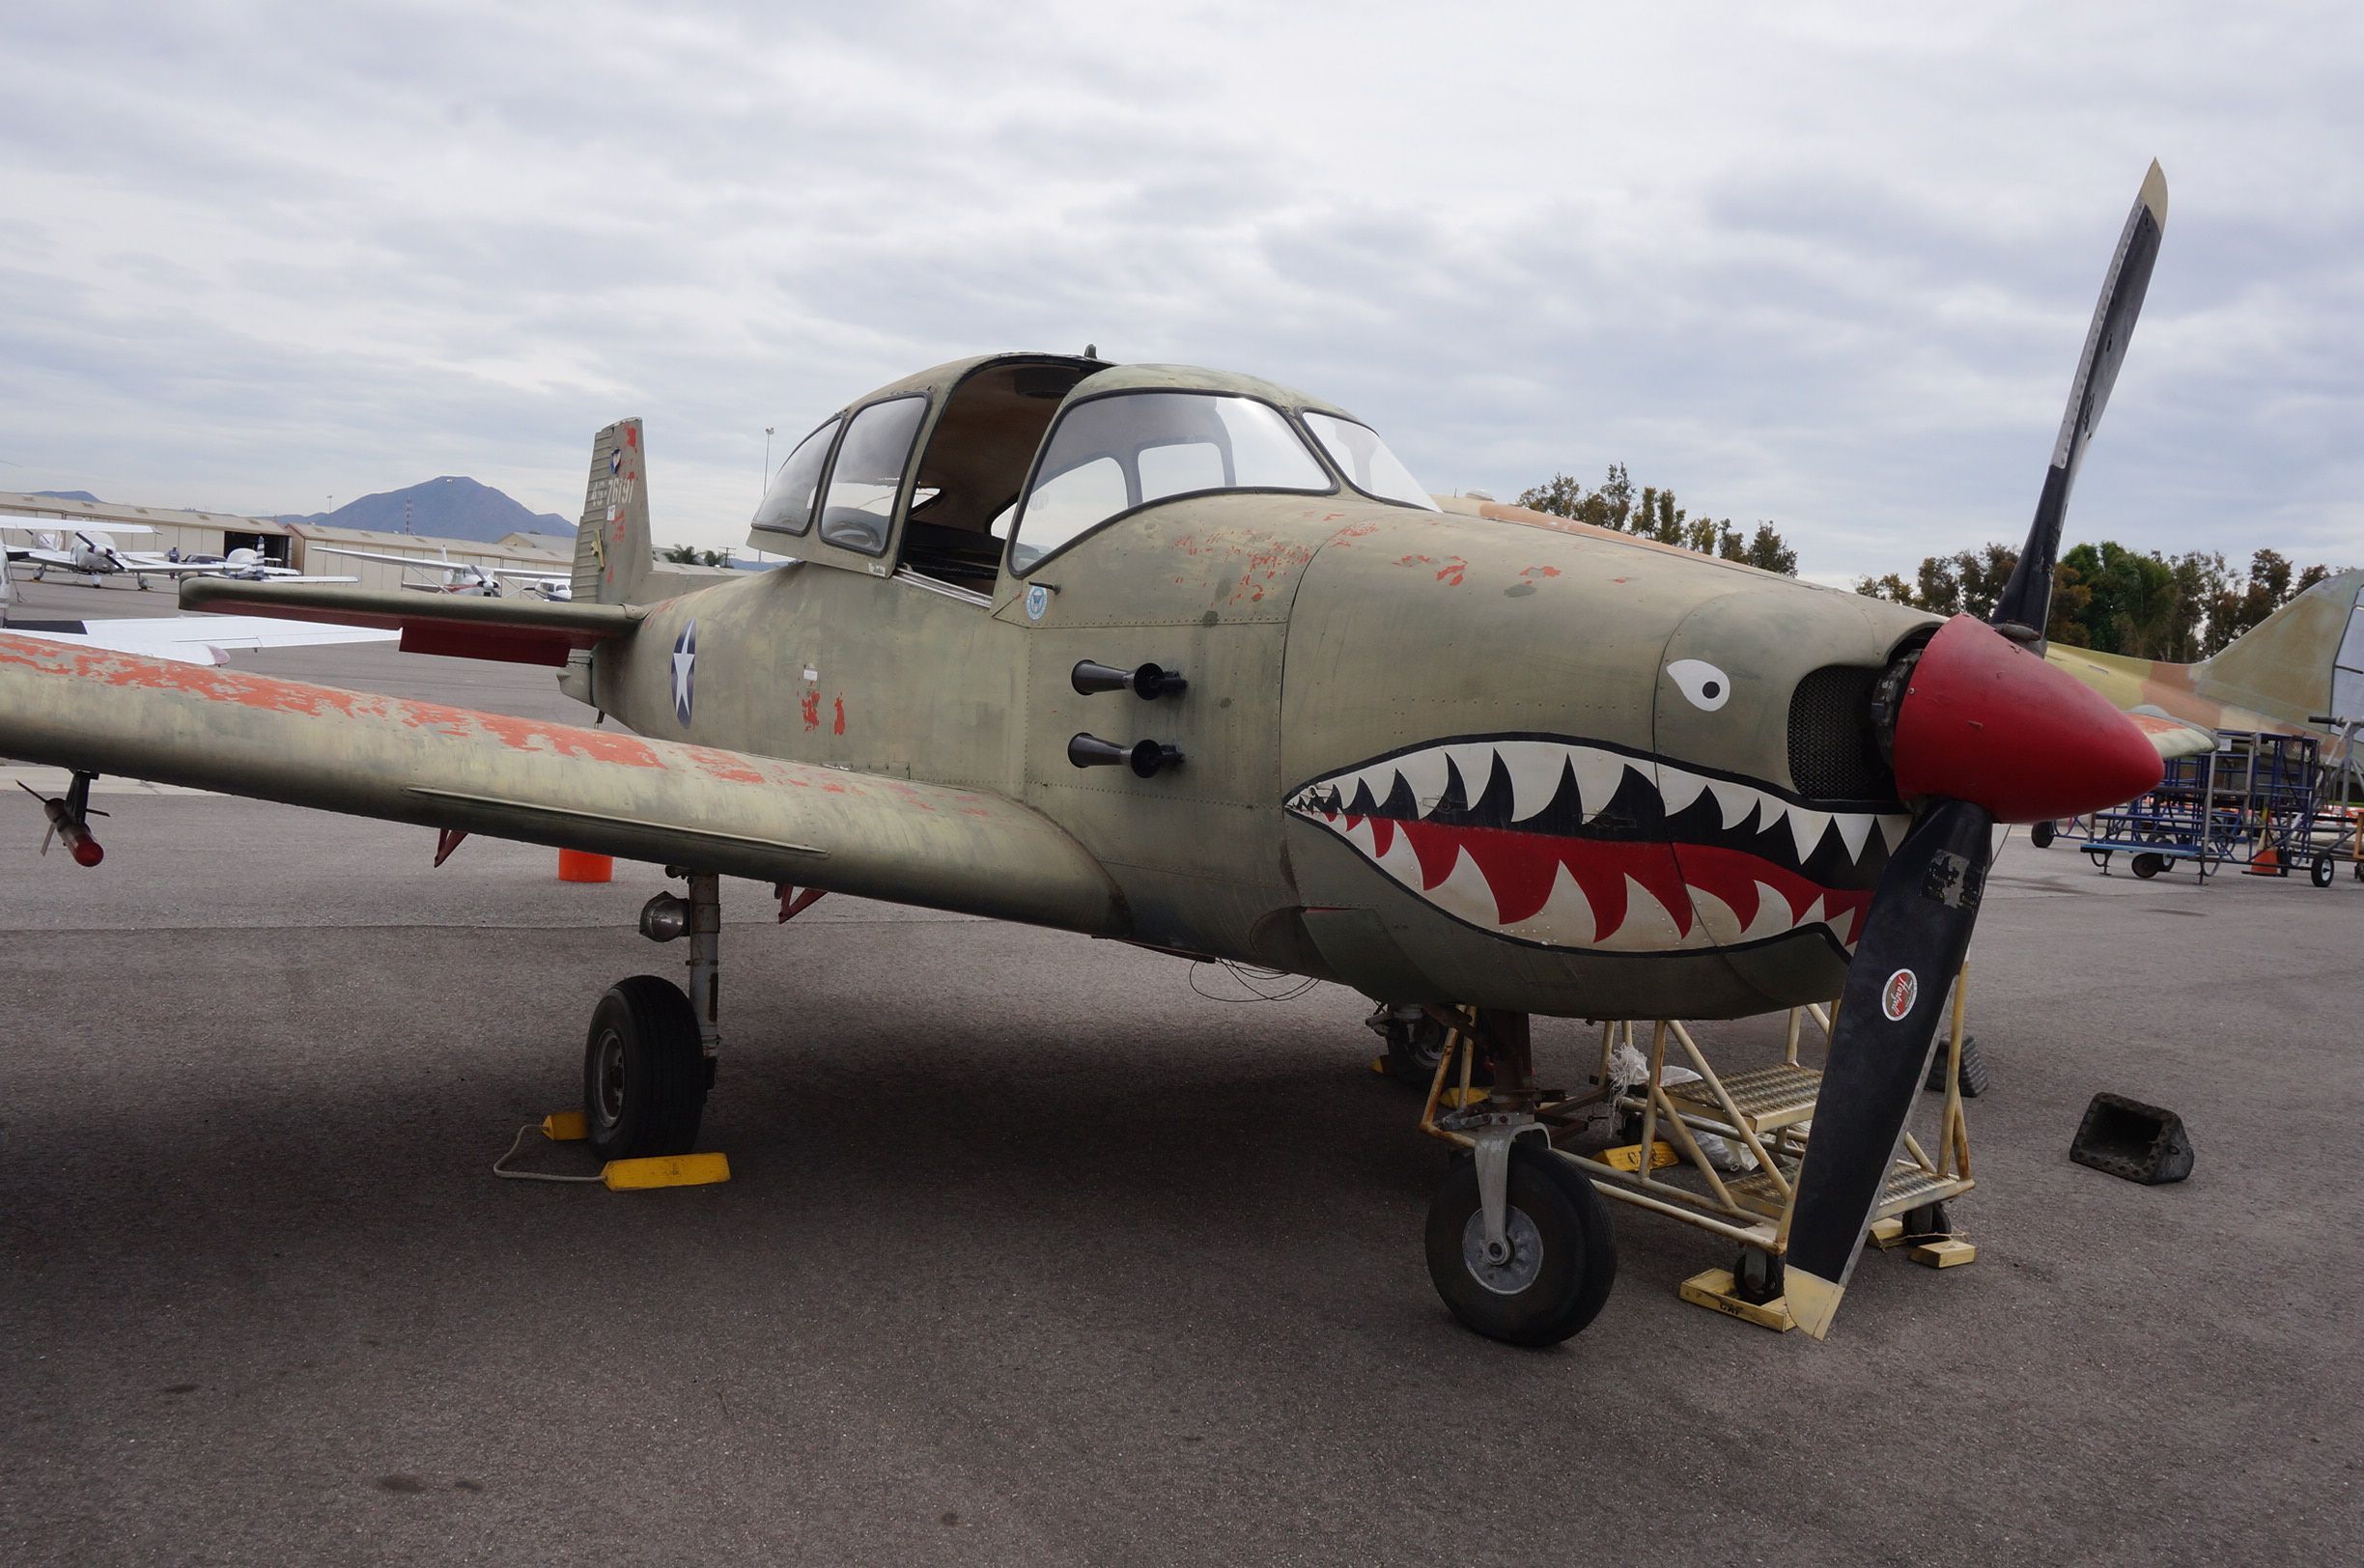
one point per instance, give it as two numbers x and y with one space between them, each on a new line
601 790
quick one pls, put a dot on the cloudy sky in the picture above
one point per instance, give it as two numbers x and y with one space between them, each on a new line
1829 268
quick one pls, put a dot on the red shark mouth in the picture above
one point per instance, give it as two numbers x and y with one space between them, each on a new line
1564 843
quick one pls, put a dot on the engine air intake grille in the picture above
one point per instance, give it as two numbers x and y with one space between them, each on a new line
1834 754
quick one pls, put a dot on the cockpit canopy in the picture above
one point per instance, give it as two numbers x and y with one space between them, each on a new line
1112 440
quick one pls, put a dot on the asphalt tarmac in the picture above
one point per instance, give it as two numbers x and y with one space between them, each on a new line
1041 1249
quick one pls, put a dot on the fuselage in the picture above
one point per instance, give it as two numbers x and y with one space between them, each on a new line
1433 756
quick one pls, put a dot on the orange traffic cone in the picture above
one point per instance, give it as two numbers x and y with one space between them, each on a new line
575 866
2268 863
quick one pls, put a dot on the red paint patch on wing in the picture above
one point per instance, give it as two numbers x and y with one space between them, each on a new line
810 705
838 728
726 766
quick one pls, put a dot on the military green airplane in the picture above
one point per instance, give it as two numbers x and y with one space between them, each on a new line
1189 660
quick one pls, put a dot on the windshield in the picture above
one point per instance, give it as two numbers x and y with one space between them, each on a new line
1114 454
1365 460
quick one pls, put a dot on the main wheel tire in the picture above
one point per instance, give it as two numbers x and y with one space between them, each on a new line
1564 1253
2042 835
644 1073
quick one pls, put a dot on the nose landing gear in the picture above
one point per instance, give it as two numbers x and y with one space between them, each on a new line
1519 1243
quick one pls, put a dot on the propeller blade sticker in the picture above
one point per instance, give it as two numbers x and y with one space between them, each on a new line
1898 995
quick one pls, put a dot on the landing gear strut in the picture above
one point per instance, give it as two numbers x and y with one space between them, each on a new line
650 1058
1519 1243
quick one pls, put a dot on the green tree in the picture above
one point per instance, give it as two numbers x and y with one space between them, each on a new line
679 555
1655 514
2117 600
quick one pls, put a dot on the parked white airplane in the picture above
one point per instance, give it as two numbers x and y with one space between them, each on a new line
450 576
92 553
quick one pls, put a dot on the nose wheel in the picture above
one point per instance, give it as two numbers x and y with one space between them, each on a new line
1519 1243
1547 1273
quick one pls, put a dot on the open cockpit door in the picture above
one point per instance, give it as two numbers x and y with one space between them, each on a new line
912 479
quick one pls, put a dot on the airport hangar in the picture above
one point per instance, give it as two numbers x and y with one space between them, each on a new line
286 544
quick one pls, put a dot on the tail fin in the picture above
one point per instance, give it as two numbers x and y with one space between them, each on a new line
2303 660
611 546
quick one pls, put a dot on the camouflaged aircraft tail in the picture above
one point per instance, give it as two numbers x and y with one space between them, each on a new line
2308 655
611 545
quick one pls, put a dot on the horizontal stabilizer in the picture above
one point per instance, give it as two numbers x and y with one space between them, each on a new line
596 790
518 631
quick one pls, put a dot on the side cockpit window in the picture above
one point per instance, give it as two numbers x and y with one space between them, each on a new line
1365 460
868 474
1115 453
788 505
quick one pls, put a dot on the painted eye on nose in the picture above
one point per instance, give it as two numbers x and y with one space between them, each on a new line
1708 688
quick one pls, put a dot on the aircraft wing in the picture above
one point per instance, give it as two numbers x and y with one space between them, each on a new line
525 631
63 527
421 562
596 789
194 639
181 571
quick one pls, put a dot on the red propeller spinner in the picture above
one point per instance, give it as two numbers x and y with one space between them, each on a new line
1986 721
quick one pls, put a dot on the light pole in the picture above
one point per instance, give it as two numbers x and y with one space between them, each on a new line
767 471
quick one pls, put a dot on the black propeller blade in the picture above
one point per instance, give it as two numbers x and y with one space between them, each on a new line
2027 598
1914 939
1971 751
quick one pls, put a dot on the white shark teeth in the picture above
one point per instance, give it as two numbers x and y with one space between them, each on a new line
1565 920
1854 830
1537 769
1805 829
1677 789
1424 770
1650 926
1599 773
1736 802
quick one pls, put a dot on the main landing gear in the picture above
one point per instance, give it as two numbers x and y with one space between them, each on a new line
1519 1243
650 1058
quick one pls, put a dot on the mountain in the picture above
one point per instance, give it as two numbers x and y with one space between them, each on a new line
452 506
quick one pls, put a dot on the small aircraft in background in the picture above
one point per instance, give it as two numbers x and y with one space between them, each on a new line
449 576
1188 659
556 587
92 552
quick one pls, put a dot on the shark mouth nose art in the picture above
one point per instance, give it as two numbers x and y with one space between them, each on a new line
1565 843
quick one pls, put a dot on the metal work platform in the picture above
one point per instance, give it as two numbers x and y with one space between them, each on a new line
1763 1117
2268 803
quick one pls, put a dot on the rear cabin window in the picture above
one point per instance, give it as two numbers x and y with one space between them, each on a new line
1115 453
788 505
868 473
